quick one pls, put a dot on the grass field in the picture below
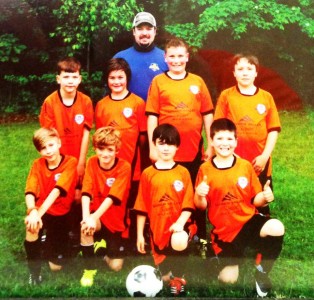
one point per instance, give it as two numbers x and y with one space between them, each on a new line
292 276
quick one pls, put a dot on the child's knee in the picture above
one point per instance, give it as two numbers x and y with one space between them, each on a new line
31 237
273 227
229 274
54 267
114 264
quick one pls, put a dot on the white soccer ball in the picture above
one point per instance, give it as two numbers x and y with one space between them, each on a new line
144 281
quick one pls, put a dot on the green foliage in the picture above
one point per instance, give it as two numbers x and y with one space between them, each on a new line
10 48
238 16
82 20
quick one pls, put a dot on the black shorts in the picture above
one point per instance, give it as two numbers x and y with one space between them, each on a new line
115 242
249 237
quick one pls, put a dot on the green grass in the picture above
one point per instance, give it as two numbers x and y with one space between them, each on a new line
292 275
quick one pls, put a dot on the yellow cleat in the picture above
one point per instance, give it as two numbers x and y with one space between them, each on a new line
87 279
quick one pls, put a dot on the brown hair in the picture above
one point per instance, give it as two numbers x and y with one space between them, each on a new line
253 60
42 135
117 64
68 64
176 42
106 136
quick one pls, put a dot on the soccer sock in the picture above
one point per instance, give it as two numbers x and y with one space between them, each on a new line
32 250
88 256
270 250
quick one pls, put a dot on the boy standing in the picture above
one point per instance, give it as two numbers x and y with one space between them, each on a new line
254 112
71 113
126 112
166 198
104 195
181 99
229 188
49 194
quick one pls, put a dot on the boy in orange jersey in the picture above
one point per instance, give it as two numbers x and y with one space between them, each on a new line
182 99
126 112
254 112
105 191
229 188
166 198
71 113
49 194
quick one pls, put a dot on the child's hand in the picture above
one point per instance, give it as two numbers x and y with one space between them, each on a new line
259 163
267 192
140 244
88 226
176 227
203 188
33 222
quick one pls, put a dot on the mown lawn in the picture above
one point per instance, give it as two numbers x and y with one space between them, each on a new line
292 276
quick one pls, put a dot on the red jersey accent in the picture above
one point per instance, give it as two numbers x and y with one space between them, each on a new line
163 194
181 103
99 184
229 200
41 181
254 116
69 121
128 116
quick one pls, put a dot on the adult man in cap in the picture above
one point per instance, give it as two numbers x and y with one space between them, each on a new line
145 59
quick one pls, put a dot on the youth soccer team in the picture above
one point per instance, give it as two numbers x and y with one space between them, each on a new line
151 183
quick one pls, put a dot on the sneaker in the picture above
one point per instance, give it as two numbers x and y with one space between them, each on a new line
202 248
34 279
262 283
100 247
177 286
87 279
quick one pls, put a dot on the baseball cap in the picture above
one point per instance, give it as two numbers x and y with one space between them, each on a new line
144 17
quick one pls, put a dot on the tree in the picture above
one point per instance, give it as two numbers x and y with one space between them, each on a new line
237 16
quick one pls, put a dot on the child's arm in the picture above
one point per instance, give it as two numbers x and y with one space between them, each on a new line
201 192
83 154
152 123
265 197
179 224
140 243
32 221
260 161
208 120
53 195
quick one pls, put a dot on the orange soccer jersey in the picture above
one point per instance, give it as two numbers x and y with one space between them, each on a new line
230 197
41 181
128 116
163 195
69 121
99 184
181 103
255 116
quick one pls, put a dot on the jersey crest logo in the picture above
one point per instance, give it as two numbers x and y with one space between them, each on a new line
194 89
243 182
154 67
79 118
261 108
127 112
110 181
178 185
57 176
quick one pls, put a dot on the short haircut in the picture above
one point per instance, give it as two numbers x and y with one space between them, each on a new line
107 136
117 64
176 42
253 60
167 133
222 124
41 136
68 64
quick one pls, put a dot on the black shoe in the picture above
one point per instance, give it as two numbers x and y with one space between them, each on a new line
262 283
34 279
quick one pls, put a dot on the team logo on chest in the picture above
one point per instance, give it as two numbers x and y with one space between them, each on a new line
154 67
242 182
127 112
57 176
261 108
178 185
79 118
194 89
110 181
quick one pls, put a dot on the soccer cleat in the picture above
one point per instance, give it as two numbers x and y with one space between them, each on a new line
203 248
100 247
87 279
177 286
34 279
262 283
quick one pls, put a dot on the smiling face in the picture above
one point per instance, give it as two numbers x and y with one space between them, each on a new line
245 73
144 34
117 82
224 143
176 59
106 156
50 150
69 81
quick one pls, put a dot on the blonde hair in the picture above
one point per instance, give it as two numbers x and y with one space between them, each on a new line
106 136
42 135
